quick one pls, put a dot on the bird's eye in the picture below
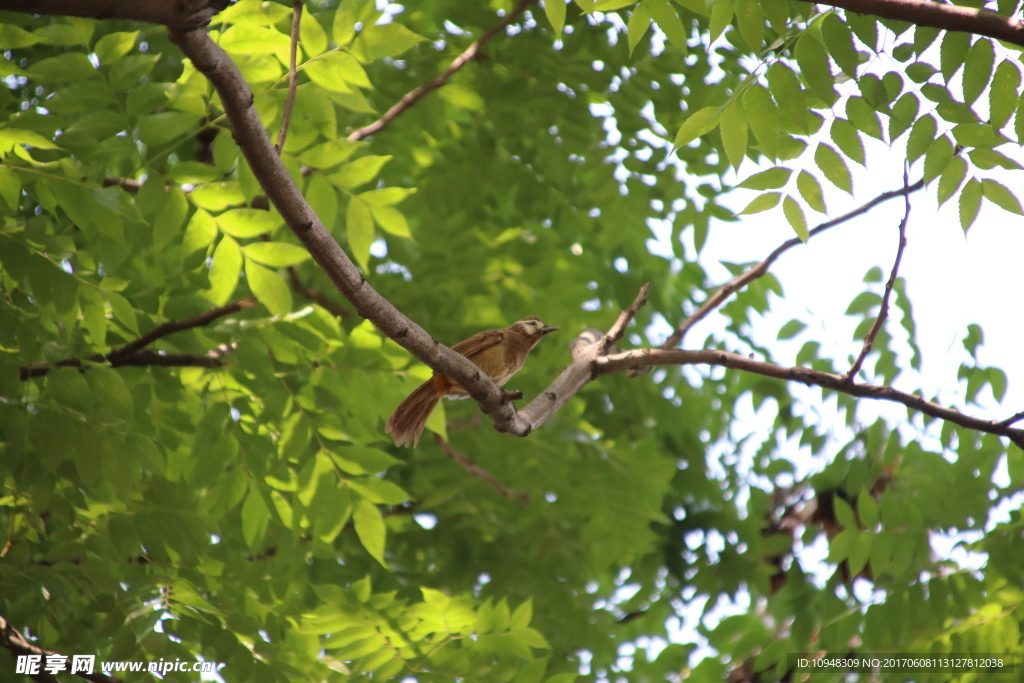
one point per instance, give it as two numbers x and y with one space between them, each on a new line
530 322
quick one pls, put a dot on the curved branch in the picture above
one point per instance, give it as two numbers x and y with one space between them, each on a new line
644 358
413 96
937 15
470 466
180 14
744 279
293 80
237 101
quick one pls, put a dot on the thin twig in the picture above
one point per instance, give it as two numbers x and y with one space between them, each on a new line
742 280
132 354
172 326
289 102
869 340
469 423
313 295
619 328
470 466
1013 418
12 639
413 96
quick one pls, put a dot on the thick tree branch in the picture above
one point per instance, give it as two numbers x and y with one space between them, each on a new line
132 354
1013 418
744 279
289 102
643 358
883 312
18 644
180 14
938 15
413 96
470 466
237 100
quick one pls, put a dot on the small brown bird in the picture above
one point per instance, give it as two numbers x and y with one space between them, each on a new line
499 353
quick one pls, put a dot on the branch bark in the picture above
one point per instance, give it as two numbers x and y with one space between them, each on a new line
937 15
180 14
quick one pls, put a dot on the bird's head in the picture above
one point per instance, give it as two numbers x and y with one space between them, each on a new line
533 327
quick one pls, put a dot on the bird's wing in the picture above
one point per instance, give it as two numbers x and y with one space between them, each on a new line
478 342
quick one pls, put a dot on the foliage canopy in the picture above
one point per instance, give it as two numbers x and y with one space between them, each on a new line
227 492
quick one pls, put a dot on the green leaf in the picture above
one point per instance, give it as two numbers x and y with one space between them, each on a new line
69 388
978 135
733 129
813 61
1002 95
763 116
795 216
359 227
113 46
750 19
337 71
867 510
555 11
462 97
10 188
276 254
791 329
937 158
978 69
225 270
786 90
701 122
772 179
68 67
270 289
839 42
763 202
328 154
111 391
953 52
848 140
169 218
370 528
387 40
1001 196
312 36
863 117
391 221
665 17
903 115
359 172
323 198
639 22
921 136
811 191
123 311
255 517
248 222
970 203
15 38
159 129
834 168
721 18
199 234
951 179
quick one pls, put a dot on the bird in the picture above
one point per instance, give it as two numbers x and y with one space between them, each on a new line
500 353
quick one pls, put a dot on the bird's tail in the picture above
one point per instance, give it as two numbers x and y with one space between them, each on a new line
409 418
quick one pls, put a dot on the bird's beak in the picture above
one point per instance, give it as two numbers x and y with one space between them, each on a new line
548 330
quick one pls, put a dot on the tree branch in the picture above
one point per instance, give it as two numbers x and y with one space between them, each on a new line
313 295
744 279
619 328
643 358
413 96
180 14
1013 418
470 466
937 15
132 354
883 313
237 100
289 102
18 644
